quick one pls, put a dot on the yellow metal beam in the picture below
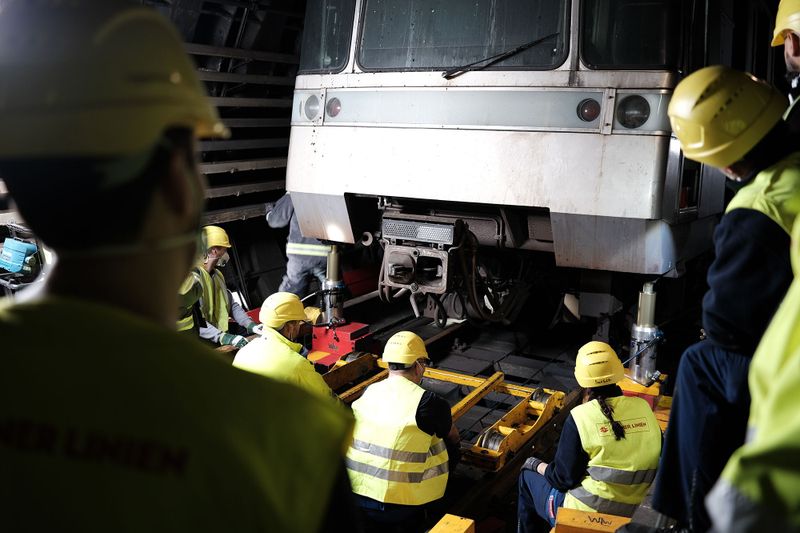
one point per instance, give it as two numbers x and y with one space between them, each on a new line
476 395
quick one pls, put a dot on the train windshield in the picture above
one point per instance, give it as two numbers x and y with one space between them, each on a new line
635 34
326 37
441 34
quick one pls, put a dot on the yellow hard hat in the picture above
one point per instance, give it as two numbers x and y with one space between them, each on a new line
280 308
719 114
215 236
404 347
788 18
597 365
94 78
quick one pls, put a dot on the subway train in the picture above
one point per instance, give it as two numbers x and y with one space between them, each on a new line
469 135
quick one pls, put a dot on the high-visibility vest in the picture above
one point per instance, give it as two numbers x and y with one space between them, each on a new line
391 460
775 192
189 293
275 356
619 471
297 248
758 488
215 298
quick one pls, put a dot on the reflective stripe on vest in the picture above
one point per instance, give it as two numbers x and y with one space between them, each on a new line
215 298
775 192
393 475
398 455
619 471
602 505
186 323
296 248
622 477
391 460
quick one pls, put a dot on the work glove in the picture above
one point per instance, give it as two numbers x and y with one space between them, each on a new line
532 463
252 327
269 206
237 341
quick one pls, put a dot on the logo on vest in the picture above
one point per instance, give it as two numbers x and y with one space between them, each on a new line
631 425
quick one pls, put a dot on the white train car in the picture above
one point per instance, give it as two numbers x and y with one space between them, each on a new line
519 124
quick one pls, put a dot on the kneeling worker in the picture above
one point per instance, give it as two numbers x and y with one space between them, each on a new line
276 353
608 451
399 458
217 303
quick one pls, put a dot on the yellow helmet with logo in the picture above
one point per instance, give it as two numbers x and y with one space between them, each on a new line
280 308
788 18
597 365
94 78
404 347
719 114
215 236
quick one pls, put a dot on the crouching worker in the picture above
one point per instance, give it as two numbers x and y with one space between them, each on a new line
607 454
277 354
404 444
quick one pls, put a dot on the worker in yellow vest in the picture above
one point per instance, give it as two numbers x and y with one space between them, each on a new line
732 121
306 257
132 427
277 354
216 301
607 453
787 34
758 490
405 442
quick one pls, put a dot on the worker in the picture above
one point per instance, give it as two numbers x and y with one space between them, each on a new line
277 354
306 257
732 121
405 442
110 420
787 33
190 317
216 303
607 453
758 488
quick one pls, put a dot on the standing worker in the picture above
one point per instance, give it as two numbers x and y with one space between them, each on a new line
216 302
277 354
122 424
405 442
787 33
732 121
306 257
607 453
757 491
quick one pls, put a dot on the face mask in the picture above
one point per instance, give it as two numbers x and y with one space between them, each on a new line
223 260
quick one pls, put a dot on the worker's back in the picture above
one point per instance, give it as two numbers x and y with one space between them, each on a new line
112 423
619 471
276 357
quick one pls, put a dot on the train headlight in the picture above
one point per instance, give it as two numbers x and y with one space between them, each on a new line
633 111
311 107
333 107
588 110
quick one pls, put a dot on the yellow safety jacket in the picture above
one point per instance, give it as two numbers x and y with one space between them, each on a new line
773 192
391 460
190 291
620 471
758 490
275 356
318 250
215 298
144 429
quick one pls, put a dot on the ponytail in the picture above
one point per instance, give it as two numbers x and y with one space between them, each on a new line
600 395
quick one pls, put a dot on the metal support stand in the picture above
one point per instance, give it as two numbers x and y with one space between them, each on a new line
645 336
